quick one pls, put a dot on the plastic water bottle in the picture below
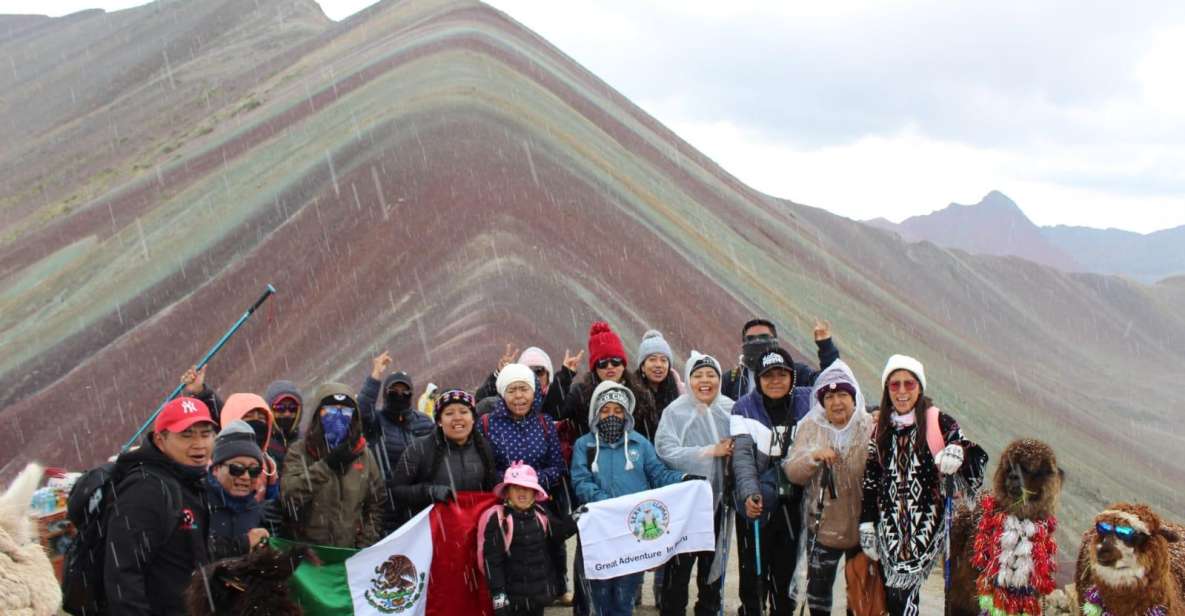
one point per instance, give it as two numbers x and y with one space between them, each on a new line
44 501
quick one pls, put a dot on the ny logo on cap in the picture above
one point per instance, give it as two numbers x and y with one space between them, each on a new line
188 407
770 359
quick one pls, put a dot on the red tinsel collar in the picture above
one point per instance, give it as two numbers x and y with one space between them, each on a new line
986 559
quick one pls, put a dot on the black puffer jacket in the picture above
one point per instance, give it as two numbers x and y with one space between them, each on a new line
156 533
519 572
435 461
660 398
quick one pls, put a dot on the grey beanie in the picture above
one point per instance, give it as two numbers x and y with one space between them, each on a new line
236 439
653 342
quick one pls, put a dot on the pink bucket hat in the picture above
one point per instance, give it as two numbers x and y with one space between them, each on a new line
522 475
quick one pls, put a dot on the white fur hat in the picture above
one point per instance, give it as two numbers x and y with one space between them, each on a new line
903 362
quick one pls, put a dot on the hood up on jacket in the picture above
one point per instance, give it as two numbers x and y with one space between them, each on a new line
325 394
279 390
237 406
606 392
839 437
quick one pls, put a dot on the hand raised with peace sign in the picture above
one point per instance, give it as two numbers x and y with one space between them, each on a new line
509 356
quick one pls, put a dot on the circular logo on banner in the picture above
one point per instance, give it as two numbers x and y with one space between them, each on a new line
649 520
396 587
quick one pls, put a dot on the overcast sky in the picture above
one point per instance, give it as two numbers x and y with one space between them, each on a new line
867 108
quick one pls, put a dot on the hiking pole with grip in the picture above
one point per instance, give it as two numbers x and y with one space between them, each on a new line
202 364
950 499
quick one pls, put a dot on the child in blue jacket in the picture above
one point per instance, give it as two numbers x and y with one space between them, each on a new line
613 460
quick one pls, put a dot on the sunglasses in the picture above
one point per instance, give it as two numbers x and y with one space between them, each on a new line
286 407
895 386
237 470
616 362
539 370
756 337
340 409
1126 534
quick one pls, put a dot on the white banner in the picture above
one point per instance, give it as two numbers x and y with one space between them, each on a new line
640 531
391 576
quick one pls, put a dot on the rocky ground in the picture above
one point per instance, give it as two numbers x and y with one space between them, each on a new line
931 601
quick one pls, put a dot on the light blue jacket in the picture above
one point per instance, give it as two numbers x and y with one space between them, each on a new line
612 479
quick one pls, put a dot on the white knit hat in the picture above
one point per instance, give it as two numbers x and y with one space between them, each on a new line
514 373
903 362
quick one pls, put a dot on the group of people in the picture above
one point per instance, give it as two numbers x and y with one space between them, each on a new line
800 466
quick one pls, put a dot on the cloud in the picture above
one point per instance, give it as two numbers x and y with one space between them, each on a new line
868 108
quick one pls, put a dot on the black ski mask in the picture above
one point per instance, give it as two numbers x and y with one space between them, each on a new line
259 426
287 425
753 350
397 404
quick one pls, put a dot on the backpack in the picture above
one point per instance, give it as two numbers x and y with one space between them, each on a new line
88 507
507 526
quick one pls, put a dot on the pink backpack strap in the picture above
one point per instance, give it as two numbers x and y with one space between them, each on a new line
935 439
482 523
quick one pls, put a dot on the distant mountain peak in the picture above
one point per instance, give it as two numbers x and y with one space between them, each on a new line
998 200
994 226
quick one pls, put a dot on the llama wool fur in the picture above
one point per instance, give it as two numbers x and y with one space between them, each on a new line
27 583
1026 464
1155 571
251 585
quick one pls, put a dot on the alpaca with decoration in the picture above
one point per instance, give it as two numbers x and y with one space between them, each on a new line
1003 552
1131 563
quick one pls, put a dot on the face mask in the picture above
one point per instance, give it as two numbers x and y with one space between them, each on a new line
286 424
611 428
753 350
260 428
397 403
336 425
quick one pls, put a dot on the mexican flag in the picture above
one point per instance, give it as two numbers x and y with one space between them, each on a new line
426 567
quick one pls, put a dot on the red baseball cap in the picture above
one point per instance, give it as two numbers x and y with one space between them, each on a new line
181 413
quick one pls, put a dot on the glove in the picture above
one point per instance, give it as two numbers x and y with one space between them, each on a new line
868 540
340 457
501 604
690 477
949 460
440 494
583 509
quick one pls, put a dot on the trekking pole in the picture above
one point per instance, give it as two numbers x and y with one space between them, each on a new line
950 500
202 364
760 580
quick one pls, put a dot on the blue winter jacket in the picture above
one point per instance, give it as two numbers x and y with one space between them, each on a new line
612 479
532 439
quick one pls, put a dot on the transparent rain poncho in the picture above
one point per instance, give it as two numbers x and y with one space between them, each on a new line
688 431
686 434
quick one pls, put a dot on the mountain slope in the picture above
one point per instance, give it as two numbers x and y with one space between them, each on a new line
1148 257
433 179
